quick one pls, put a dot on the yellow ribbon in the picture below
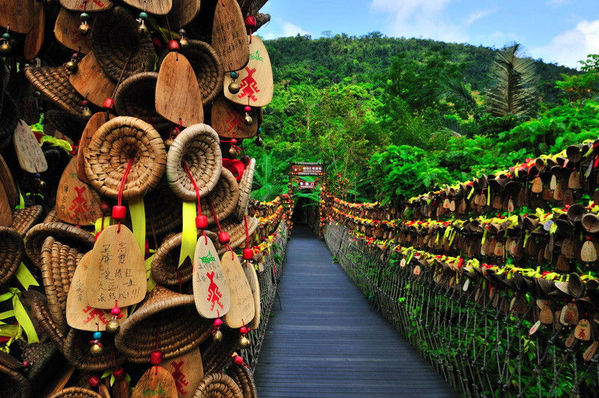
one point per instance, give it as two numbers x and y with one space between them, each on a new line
190 232
25 277
20 314
151 281
138 221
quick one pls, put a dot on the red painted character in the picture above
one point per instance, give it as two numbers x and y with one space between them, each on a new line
179 377
214 293
249 86
233 121
93 313
79 204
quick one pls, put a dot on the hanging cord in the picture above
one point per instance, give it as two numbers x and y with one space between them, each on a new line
122 187
198 198
220 230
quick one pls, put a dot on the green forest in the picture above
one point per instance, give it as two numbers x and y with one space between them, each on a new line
392 117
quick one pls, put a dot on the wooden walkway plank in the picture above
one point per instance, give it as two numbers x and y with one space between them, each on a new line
326 341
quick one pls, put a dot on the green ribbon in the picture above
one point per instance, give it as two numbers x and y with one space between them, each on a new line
25 277
190 232
151 281
56 142
20 314
21 204
138 221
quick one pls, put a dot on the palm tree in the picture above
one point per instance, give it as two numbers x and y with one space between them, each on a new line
515 78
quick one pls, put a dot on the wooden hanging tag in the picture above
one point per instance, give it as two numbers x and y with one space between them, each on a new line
569 315
158 7
553 182
570 340
103 391
255 79
537 185
574 180
210 288
510 205
79 314
18 14
535 327
76 202
9 183
117 271
229 37
546 315
583 330
35 38
228 119
120 389
86 5
416 270
66 30
5 208
93 124
242 309
588 253
452 206
178 96
91 82
589 353
28 150
183 12
155 382
187 371
252 277
446 203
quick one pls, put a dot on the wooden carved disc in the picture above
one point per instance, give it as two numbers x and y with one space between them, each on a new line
9 183
86 5
252 277
187 371
178 96
35 37
210 289
255 79
117 271
228 119
242 309
66 30
90 81
229 37
30 155
155 382
183 12
93 124
17 15
76 202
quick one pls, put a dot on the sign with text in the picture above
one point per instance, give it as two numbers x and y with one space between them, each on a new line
307 169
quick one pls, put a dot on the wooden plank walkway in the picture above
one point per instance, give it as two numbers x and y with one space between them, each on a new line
326 341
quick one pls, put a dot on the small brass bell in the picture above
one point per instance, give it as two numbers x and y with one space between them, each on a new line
183 42
112 326
96 349
248 119
232 151
71 66
244 342
143 29
5 47
83 28
234 87
86 112
217 336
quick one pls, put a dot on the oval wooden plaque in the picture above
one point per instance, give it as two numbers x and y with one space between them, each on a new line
35 38
5 209
183 12
92 125
255 79
9 183
117 271
210 289
178 96
29 152
86 5
155 382
158 7
252 277
91 82
229 37
228 119
18 14
79 314
187 371
76 202
242 309
66 30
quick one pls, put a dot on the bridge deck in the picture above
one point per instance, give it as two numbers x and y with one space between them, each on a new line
326 341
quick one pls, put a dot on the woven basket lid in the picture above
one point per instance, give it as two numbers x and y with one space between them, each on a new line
11 253
67 123
165 270
224 197
217 355
244 378
8 118
76 351
165 314
236 231
245 189
218 385
163 211
24 219
135 96
65 233
13 384
119 47
53 83
75 392
110 149
40 312
197 146
207 67
59 261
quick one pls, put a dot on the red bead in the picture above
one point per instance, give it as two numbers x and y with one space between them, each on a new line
157 43
233 141
84 102
250 21
173 45
223 238
247 108
116 311
248 253
238 360
118 373
105 207
108 103
26 364
156 357
119 212
217 323
201 222
93 381
244 330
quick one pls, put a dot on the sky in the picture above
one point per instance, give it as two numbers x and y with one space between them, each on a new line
558 31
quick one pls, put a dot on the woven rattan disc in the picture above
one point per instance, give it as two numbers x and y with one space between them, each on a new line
13 384
40 313
76 351
224 197
165 270
135 97
75 392
163 211
245 190
244 378
11 253
207 67
24 219
113 145
218 385
119 47
53 83
167 314
198 147
236 231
